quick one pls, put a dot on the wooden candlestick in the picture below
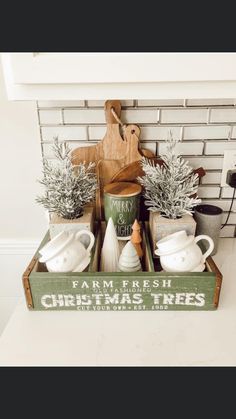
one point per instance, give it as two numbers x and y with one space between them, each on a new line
136 238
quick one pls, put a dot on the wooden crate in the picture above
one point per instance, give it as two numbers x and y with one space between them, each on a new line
92 290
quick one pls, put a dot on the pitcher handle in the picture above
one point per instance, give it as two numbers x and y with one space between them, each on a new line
90 234
211 245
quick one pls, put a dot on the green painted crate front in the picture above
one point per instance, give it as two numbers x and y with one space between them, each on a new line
100 291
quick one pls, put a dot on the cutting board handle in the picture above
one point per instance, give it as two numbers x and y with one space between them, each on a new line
131 131
116 105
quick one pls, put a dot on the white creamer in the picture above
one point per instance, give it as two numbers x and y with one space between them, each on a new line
65 252
180 253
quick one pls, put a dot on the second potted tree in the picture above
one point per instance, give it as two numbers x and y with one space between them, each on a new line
170 191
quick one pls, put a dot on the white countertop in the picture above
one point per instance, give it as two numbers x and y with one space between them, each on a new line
188 338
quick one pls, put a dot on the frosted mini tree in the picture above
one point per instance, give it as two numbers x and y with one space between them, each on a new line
67 188
169 188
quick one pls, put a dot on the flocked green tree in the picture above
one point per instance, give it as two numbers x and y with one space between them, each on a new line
67 188
169 188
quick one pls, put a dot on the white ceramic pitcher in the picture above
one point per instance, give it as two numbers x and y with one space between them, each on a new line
180 253
65 252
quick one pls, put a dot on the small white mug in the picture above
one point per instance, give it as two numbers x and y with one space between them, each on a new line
180 253
65 252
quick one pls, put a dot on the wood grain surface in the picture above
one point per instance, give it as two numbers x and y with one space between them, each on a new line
112 153
122 189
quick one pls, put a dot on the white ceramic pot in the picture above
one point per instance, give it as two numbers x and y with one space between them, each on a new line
180 253
65 252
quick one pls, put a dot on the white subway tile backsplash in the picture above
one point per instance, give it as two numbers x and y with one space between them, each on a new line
224 204
223 115
97 132
228 231
100 103
84 116
184 116
232 218
227 192
206 133
50 117
210 102
139 116
48 153
94 116
95 103
183 148
161 102
211 178
218 147
159 133
203 126
208 163
234 132
60 103
149 146
64 133
208 192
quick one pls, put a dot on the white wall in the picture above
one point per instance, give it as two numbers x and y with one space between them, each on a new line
22 222
20 165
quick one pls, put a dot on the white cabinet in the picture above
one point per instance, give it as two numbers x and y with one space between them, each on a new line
74 76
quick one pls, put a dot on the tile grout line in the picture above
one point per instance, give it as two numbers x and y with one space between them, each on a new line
40 131
62 116
87 132
230 133
208 115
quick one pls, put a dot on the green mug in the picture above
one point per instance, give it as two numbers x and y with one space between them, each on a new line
122 203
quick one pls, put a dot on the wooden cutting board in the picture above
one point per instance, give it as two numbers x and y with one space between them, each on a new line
112 146
130 172
112 152
107 168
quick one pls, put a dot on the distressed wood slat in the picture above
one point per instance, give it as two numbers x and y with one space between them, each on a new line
115 291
